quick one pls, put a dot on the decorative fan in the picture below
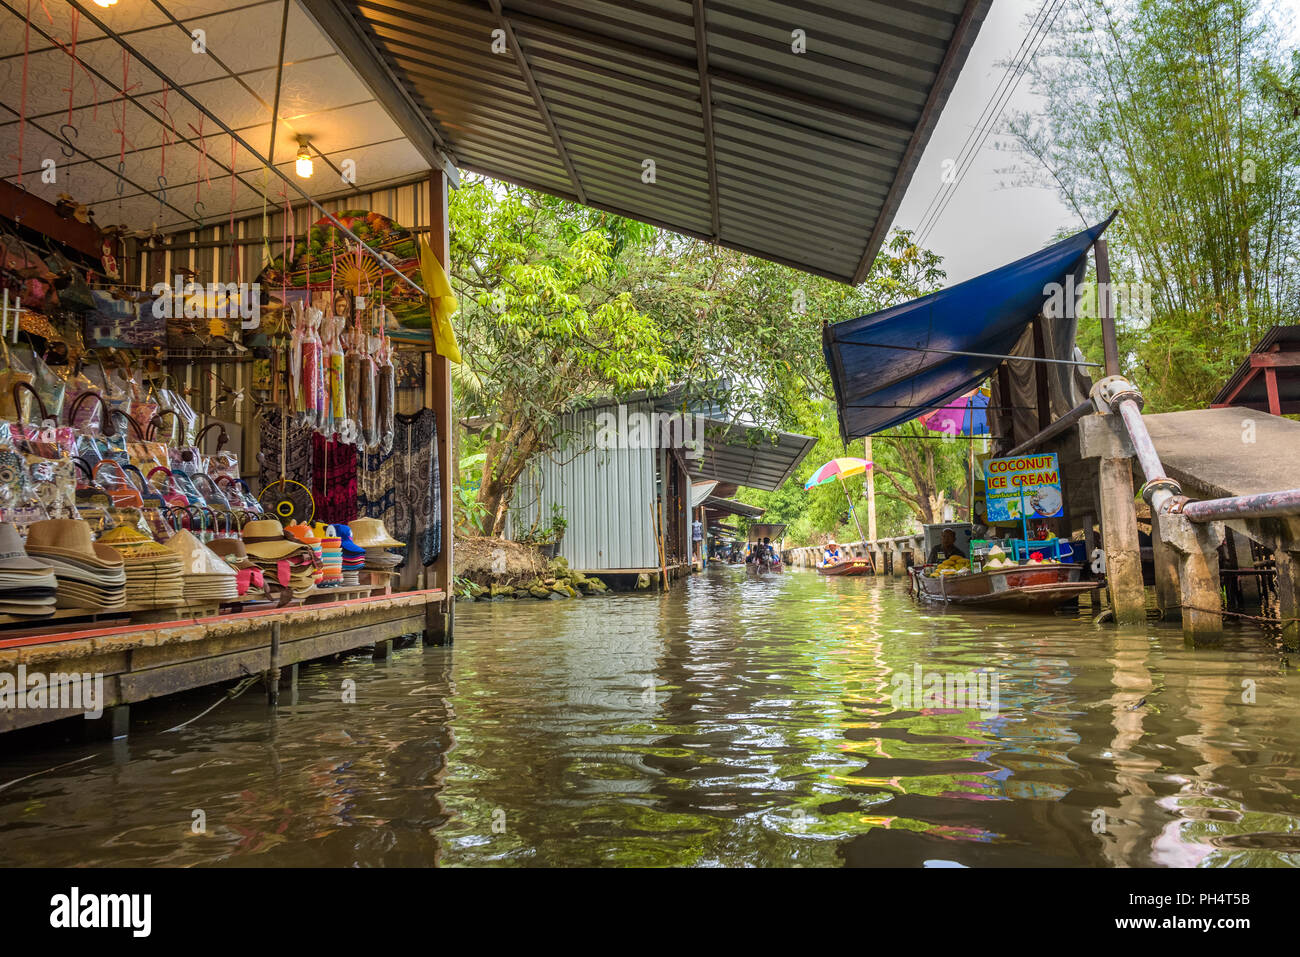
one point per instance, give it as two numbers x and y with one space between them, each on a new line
288 502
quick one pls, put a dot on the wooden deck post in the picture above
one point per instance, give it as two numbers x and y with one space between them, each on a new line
1287 559
438 390
1119 540
1165 560
1196 546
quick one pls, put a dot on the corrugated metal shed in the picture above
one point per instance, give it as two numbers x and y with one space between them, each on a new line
746 455
605 493
787 130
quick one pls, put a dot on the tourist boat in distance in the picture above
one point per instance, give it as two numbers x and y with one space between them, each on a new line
849 566
757 532
1038 588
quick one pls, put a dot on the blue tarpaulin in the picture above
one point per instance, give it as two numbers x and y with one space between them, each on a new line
879 364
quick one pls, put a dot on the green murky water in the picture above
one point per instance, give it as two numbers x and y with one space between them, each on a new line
733 722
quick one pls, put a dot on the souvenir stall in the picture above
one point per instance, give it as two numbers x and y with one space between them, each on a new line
228 427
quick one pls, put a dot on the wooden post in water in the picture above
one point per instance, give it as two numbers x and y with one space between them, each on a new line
1119 540
1165 560
1196 546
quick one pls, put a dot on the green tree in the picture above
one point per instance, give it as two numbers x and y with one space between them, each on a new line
546 321
1182 114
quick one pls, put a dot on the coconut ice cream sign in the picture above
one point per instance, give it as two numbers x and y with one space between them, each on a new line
1023 486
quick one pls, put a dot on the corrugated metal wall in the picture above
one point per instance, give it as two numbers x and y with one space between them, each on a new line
606 494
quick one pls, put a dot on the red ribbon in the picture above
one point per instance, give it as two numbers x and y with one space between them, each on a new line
71 51
126 88
202 176
168 128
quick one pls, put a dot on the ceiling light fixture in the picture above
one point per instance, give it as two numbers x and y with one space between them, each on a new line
303 166
106 3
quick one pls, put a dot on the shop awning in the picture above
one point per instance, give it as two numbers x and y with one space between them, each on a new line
777 128
747 455
893 365
732 507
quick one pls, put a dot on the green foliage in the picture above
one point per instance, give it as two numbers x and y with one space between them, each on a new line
1184 115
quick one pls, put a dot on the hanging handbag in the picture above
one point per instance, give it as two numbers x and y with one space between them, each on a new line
45 439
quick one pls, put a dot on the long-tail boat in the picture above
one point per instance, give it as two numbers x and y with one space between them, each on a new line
849 566
1031 587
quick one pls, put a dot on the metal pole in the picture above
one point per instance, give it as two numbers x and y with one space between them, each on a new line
852 512
1245 506
1105 307
1056 428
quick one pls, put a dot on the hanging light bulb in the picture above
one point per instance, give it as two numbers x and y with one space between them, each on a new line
303 166
106 3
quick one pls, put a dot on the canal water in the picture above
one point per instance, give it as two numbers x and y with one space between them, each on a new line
733 722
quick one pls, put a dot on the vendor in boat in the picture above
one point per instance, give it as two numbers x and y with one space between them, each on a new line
831 555
946 548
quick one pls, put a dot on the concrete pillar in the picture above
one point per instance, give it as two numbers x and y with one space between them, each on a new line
1168 598
1196 546
1119 540
435 625
897 567
383 649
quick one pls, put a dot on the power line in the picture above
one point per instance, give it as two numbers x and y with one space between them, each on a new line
1038 35
980 119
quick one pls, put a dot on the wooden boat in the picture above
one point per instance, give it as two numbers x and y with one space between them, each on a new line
849 566
1035 588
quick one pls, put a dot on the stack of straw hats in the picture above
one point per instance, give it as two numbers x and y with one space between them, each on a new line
284 560
90 575
27 586
153 574
354 556
331 555
208 578
303 533
232 551
372 536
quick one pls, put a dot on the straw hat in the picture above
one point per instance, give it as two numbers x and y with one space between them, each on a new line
70 538
13 556
124 536
370 533
197 558
265 539
229 549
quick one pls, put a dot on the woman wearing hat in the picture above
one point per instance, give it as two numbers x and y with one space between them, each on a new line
831 556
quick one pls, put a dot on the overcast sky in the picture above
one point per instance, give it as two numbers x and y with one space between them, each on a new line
987 224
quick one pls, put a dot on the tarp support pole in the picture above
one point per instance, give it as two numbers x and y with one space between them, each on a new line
1106 307
438 392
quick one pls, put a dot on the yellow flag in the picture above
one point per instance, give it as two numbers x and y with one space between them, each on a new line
442 303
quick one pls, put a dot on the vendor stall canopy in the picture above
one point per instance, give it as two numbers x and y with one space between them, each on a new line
787 130
893 365
121 126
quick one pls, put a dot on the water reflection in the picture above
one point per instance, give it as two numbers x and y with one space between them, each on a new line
735 721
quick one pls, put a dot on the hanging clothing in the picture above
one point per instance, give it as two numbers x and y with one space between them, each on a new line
297 449
334 480
401 488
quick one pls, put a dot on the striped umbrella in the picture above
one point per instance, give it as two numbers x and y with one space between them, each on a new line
841 469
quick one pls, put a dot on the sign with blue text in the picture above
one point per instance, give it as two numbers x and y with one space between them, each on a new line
1023 487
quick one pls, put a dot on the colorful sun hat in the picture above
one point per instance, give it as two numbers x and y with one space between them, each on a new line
303 533
70 538
371 533
345 539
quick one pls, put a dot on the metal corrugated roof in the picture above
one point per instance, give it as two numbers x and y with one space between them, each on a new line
798 157
747 455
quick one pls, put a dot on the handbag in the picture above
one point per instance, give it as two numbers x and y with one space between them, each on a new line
46 439
15 373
